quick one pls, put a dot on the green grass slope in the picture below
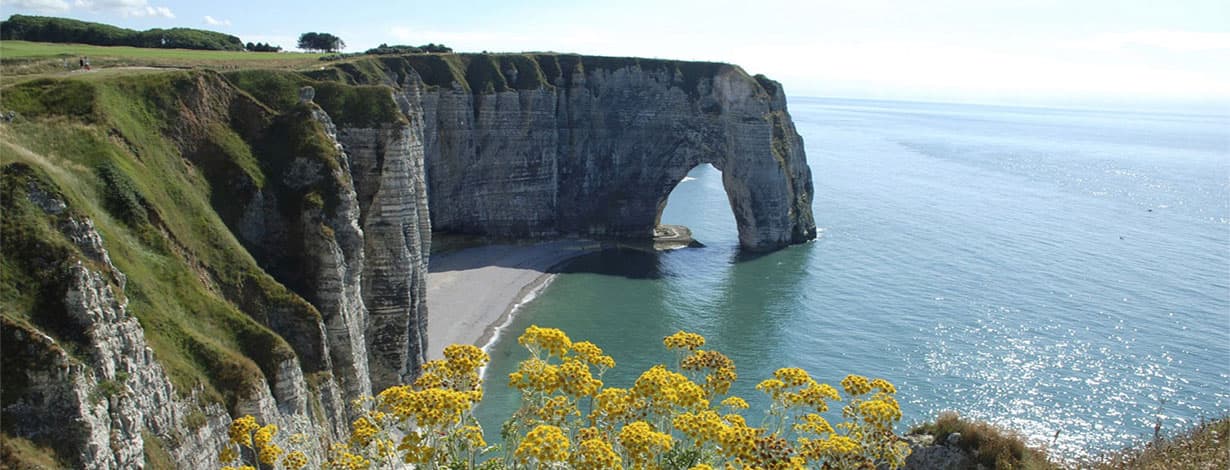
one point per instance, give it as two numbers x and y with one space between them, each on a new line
106 146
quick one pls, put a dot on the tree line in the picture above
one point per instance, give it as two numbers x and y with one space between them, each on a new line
402 49
49 29
65 30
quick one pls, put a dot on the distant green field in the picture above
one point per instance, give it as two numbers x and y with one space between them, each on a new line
36 58
25 49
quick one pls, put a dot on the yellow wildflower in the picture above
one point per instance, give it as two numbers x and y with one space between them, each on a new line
591 353
793 376
684 340
227 455
735 403
738 441
614 404
241 429
544 444
772 451
703 426
815 424
855 385
879 413
814 395
551 340
642 444
269 454
594 454
265 435
557 409
415 449
883 386
362 430
772 387
723 370
834 448
575 379
473 436
663 388
586 434
535 375
295 460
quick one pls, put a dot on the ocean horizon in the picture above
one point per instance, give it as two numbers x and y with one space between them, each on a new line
1061 272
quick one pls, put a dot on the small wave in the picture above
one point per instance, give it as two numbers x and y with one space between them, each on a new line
687 178
498 331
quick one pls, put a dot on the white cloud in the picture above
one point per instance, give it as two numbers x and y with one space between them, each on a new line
209 20
40 6
138 8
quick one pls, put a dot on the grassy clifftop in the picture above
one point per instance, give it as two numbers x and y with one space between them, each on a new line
161 161
113 149
492 73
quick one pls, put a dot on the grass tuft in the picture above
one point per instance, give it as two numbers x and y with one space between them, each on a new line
989 445
1206 445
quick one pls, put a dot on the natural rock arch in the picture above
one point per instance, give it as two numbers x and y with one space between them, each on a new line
596 152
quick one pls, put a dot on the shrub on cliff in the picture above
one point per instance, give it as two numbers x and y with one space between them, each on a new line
672 417
1207 445
990 446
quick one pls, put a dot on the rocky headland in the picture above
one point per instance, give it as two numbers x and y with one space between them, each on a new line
183 247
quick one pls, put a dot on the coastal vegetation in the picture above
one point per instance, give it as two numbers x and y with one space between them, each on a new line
678 417
990 446
1206 445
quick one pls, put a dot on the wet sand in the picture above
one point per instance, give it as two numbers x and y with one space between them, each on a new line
472 292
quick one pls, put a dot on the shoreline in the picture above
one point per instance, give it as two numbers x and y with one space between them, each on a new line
506 276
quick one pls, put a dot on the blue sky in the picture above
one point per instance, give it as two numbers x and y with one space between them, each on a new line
1045 52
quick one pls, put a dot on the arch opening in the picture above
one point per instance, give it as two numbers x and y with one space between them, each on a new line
695 211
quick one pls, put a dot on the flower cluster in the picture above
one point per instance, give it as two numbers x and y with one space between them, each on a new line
642 444
549 340
428 423
592 354
684 340
545 444
664 389
670 417
721 370
856 385
261 447
575 379
594 454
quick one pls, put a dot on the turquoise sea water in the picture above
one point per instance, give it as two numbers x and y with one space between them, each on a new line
1047 270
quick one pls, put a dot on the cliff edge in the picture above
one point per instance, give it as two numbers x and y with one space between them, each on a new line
542 145
183 247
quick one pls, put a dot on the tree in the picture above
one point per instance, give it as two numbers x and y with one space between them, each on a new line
262 47
324 42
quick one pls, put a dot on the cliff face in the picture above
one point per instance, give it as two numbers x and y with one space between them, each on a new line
181 248
593 146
